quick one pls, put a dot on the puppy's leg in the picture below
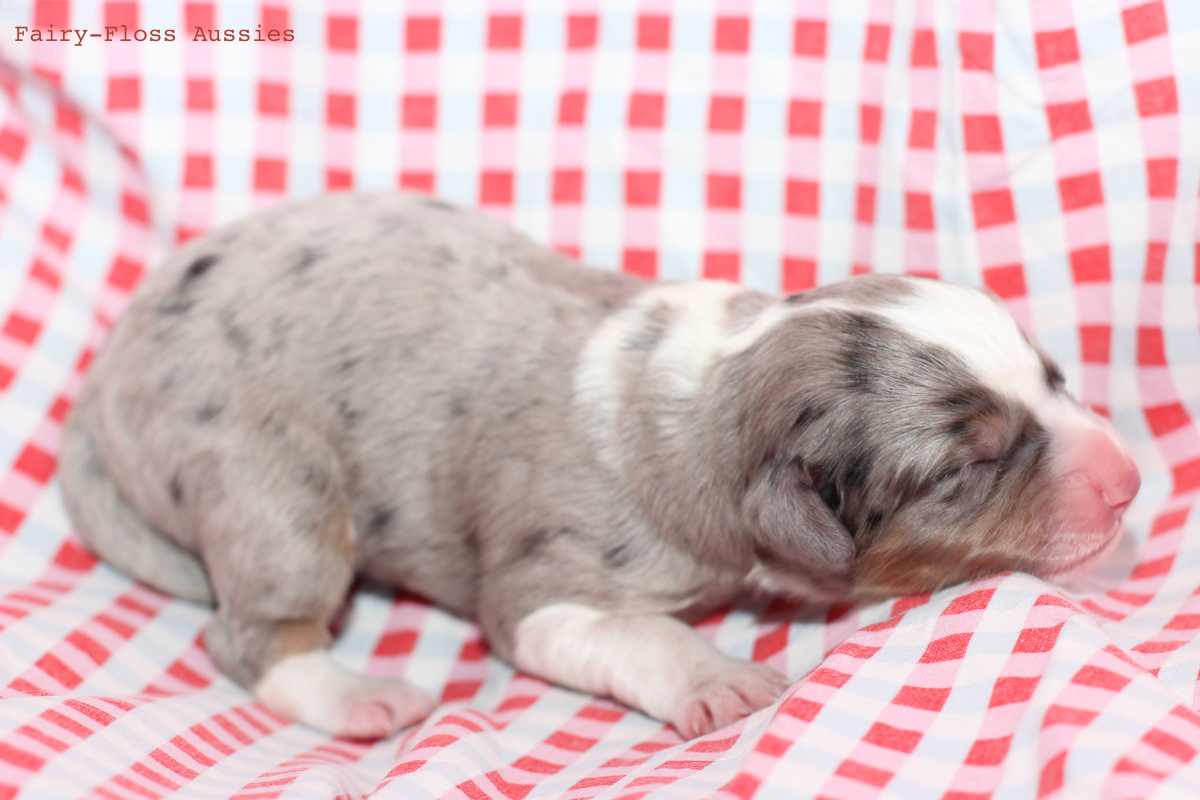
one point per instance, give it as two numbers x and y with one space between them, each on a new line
278 546
652 662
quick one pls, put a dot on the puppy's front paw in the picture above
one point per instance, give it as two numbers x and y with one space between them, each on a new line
726 697
314 689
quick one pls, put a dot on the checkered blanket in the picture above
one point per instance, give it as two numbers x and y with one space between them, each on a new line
1046 149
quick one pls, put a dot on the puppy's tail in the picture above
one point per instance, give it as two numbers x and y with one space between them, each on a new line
114 530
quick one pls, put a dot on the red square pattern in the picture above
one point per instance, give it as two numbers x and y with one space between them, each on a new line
993 207
918 211
418 111
1156 97
989 752
68 120
1091 265
982 133
883 735
646 110
275 17
1151 350
124 94
643 263
1081 191
200 95
272 98
270 175
581 31
417 181
504 32
197 172
199 15
804 118
12 144
336 179
725 114
496 188
653 32
500 110
799 274
568 186
21 328
928 698
342 33
340 110
641 188
1068 118
1056 47
1095 343
976 51
1006 281
722 266
572 107
1144 21
732 35
924 48
1161 176
876 46
803 197
121 14
870 122
51 14
422 33
724 191
808 38
865 205
922 132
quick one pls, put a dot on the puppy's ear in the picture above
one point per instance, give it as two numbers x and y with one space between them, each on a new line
795 530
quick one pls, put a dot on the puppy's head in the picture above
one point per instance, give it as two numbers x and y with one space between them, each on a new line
937 435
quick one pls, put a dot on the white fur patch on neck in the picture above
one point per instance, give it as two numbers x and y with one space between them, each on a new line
695 335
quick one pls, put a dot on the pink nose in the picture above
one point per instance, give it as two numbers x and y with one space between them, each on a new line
1124 486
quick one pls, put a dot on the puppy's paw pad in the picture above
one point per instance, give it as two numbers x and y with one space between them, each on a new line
378 711
727 697
313 689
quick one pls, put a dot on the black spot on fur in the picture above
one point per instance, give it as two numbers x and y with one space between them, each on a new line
618 556
658 319
176 489
381 517
861 352
348 413
197 268
348 364
317 479
209 412
808 416
1055 380
440 205
233 333
305 259
174 307
536 541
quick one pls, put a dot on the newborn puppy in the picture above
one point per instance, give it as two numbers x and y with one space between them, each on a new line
392 386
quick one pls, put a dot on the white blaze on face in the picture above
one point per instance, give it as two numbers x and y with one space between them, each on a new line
978 328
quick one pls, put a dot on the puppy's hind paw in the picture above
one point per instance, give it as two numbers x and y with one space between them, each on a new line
725 698
314 689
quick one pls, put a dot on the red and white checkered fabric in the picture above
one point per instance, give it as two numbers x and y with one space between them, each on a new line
1049 150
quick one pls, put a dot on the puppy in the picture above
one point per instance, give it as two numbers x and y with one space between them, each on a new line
393 386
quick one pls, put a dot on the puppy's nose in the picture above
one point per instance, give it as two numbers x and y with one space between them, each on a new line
1120 493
